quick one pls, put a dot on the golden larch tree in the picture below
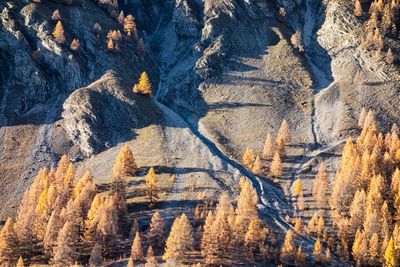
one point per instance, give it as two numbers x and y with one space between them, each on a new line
151 187
207 246
389 58
284 132
357 8
276 166
111 224
80 186
313 223
395 183
372 23
391 259
58 33
361 118
320 226
110 45
360 247
69 179
296 40
254 239
155 236
298 225
65 253
93 217
151 260
53 227
394 144
131 263
247 202
8 243
75 44
372 223
130 25
357 210
123 167
268 150
328 257
387 18
180 240
248 158
320 187
301 203
288 250
136 249
20 262
373 250
258 167
370 120
280 145
220 238
84 198
300 257
317 252
297 188
116 36
386 219
61 171
144 85
125 164
42 214
374 199
24 228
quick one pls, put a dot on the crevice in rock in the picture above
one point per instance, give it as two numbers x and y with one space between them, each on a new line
318 60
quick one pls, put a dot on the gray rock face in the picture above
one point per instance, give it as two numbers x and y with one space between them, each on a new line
102 115
43 69
37 75
86 124
246 44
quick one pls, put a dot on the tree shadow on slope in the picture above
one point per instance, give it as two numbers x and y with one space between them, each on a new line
216 175
176 204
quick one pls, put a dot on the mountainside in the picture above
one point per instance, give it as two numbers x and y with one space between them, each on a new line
224 73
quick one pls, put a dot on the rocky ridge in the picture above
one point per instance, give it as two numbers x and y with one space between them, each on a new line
225 74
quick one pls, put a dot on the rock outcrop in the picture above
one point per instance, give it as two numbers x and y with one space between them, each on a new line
102 115
37 75
224 73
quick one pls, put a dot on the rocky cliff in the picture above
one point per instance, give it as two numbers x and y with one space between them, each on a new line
225 74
